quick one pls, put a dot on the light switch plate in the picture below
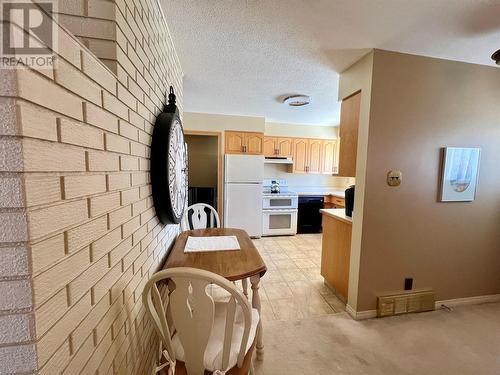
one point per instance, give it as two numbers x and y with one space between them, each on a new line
394 178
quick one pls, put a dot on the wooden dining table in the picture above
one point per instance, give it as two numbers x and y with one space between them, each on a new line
243 264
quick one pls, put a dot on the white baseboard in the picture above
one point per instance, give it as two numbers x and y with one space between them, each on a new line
361 315
468 301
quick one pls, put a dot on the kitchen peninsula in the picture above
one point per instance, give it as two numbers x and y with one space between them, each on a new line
336 250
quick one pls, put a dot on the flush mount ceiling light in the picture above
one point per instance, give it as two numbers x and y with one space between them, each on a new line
297 100
496 57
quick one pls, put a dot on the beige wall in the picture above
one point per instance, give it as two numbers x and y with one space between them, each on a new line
203 160
78 234
355 78
305 131
219 123
420 105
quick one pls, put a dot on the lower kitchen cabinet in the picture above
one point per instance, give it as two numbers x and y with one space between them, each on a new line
332 201
336 250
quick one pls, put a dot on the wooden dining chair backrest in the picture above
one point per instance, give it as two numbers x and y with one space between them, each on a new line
191 310
200 216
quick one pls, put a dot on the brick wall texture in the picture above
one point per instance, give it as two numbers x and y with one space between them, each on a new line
78 232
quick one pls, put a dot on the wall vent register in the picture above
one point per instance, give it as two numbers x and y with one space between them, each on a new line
417 300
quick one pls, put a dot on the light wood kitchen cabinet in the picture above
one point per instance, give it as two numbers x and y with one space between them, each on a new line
254 143
278 146
331 201
244 142
300 155
348 132
270 146
336 251
285 146
329 157
235 142
314 156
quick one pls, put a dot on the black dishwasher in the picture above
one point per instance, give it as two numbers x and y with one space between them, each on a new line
309 217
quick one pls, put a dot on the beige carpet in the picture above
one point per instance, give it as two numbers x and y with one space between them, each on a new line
463 341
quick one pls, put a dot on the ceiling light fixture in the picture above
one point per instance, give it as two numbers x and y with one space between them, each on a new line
297 100
496 57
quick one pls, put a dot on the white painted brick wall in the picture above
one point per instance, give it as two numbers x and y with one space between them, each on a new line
78 233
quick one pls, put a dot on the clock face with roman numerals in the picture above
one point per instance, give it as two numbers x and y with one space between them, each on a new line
177 169
169 166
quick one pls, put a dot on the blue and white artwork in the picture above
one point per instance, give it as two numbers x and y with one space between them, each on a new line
460 172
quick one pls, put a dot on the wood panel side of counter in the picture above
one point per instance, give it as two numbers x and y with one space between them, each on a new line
336 254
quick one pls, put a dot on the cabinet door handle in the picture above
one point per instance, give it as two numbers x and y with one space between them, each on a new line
245 148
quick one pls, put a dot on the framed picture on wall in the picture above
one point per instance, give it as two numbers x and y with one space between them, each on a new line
459 174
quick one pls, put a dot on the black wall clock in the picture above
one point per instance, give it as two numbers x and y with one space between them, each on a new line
169 164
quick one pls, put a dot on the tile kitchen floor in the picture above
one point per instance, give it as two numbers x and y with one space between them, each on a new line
293 287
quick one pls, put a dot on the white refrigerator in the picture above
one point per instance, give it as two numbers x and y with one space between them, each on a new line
243 175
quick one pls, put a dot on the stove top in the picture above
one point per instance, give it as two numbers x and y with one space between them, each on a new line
283 185
282 193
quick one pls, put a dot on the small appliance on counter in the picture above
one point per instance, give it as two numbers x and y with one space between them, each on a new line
349 201
279 209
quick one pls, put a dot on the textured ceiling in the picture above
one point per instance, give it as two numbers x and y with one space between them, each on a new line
239 57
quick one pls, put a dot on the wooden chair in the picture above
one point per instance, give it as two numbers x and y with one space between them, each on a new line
200 216
200 336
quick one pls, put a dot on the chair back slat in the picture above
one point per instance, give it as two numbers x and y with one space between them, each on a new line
191 310
193 315
228 331
200 216
153 304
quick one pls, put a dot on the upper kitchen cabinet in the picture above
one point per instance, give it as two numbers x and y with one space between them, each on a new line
329 157
235 142
315 156
285 146
254 143
270 146
278 146
348 132
244 142
300 155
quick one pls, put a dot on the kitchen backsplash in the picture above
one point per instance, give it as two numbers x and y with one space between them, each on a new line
305 180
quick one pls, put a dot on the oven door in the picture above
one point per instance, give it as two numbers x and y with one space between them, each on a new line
279 222
278 202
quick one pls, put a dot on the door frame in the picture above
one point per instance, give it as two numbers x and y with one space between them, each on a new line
220 201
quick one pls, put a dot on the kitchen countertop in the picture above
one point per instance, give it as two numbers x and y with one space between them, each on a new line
337 213
336 192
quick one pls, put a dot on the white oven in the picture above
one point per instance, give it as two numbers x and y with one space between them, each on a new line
279 201
279 222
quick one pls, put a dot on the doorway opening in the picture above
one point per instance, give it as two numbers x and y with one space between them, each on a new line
205 163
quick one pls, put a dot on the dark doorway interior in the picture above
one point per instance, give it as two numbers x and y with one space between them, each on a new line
203 169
